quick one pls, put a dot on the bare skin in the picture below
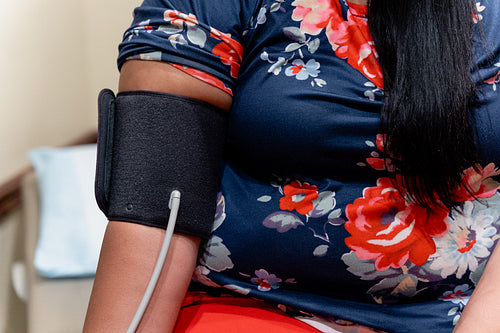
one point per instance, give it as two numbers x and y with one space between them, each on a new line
129 250
159 76
481 314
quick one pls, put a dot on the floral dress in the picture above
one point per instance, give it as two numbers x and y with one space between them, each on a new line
307 216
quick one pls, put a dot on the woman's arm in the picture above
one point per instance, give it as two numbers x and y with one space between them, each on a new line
482 313
160 76
128 256
129 250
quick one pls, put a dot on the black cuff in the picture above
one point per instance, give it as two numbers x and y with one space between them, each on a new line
151 143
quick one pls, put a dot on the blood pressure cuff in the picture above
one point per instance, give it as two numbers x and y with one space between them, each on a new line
151 143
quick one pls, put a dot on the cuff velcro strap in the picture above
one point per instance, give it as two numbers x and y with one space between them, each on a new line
151 143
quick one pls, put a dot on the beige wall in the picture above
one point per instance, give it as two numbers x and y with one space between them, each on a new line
55 57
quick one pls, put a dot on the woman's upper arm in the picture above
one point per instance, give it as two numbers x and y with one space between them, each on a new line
129 250
162 77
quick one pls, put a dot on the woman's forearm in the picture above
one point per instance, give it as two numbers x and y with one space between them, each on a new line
482 313
127 260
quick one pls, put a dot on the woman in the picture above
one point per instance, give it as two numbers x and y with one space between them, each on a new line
359 181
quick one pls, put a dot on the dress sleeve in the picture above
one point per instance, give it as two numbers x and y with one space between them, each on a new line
204 38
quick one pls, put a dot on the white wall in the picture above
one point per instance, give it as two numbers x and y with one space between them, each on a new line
55 57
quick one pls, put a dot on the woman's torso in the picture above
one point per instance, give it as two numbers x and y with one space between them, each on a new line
307 216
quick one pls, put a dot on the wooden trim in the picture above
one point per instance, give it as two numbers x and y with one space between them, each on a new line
10 190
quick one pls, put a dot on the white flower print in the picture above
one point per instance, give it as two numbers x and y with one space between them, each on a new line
276 65
178 22
141 27
238 289
170 29
177 39
468 241
302 71
372 90
148 56
318 82
300 44
261 17
277 6
220 212
477 14
459 296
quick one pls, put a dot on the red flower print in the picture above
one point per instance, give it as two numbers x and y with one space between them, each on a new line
387 228
476 15
479 183
229 51
350 39
299 197
296 69
376 161
177 18
302 71
145 27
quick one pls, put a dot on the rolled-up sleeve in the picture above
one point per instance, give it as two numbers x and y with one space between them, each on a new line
200 37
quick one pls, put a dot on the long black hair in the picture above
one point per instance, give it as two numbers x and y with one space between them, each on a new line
425 51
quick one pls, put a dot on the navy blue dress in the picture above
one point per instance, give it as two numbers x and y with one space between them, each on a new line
307 217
